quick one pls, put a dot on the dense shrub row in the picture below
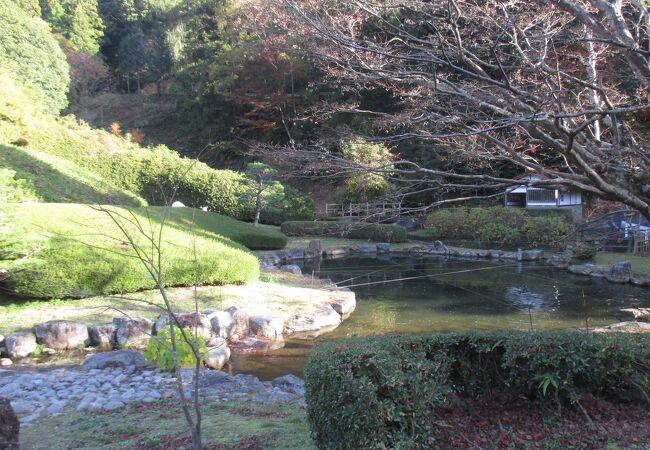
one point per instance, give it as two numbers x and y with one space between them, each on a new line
500 227
382 392
370 231
31 53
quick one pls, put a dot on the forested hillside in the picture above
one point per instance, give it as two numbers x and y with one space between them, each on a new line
376 98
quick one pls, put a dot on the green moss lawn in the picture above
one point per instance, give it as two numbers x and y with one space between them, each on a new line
63 250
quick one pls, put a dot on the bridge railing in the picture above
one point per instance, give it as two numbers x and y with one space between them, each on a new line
334 210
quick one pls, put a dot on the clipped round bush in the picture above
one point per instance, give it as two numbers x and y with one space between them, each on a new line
584 251
501 227
32 54
382 392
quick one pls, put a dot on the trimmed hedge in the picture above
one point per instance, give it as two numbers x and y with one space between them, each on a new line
370 231
381 392
499 226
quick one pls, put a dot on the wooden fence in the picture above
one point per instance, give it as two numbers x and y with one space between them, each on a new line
641 244
361 210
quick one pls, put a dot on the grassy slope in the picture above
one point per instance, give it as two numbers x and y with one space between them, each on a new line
31 176
209 224
62 250
226 425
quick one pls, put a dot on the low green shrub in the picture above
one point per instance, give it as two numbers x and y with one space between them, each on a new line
498 226
69 250
381 392
159 349
370 231
584 251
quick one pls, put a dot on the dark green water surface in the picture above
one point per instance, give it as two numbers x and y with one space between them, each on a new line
439 295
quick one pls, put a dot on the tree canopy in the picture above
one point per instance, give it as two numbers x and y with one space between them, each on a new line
558 89
30 52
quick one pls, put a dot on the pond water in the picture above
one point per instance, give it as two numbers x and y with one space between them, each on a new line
435 294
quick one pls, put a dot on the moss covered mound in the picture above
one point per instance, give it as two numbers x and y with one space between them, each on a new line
69 250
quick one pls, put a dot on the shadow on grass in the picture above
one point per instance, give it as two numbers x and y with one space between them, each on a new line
49 183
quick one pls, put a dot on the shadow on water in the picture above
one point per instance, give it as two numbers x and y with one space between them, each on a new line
415 295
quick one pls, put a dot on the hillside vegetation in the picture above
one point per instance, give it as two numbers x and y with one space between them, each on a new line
32 54
153 173
69 250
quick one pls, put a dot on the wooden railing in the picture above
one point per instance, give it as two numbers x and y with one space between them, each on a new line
334 210
641 244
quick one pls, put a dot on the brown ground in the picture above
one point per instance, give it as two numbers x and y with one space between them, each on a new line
498 422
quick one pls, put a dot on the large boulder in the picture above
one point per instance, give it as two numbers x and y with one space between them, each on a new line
132 331
195 322
383 247
320 317
102 335
20 344
256 345
590 270
344 303
642 314
621 272
314 250
336 252
9 426
62 334
223 324
440 247
530 255
290 383
364 249
561 261
295 254
271 260
291 268
240 317
119 358
266 326
217 356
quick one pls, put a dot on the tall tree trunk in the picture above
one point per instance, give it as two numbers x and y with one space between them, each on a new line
258 201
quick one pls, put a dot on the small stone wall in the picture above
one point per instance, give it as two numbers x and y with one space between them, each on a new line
620 272
227 331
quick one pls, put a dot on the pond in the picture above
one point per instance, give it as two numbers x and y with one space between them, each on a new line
435 294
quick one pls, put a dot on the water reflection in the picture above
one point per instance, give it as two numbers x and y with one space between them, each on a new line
435 294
